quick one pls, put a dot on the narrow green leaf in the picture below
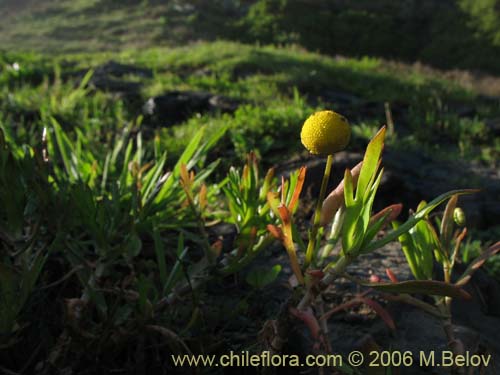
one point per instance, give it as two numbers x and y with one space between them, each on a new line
370 162
205 173
152 177
447 222
189 151
348 188
105 173
65 148
353 230
85 80
373 229
126 160
176 270
424 241
369 199
414 219
412 255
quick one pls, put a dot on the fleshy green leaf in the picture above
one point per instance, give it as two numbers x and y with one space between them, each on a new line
370 162
348 188
411 253
414 219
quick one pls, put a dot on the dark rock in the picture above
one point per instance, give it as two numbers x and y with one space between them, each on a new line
489 100
358 108
223 104
110 77
419 177
466 112
115 85
22 115
316 168
410 177
115 69
459 108
484 289
416 331
248 69
177 106
493 126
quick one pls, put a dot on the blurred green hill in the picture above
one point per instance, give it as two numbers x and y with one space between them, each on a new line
463 34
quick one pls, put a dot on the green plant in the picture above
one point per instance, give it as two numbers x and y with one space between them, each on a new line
61 201
24 197
109 246
246 193
424 244
350 207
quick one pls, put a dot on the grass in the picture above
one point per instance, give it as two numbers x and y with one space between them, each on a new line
278 87
73 24
454 34
119 219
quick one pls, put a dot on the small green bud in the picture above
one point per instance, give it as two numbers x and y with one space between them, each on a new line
459 217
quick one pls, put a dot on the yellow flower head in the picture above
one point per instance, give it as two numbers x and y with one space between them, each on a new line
325 132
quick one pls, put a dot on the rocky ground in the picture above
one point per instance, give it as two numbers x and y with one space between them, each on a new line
410 177
477 321
238 313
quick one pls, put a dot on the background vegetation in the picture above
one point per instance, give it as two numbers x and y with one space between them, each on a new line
100 221
448 34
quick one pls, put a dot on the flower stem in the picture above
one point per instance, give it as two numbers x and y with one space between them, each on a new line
317 214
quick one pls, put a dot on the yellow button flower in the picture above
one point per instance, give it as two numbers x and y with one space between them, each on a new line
325 132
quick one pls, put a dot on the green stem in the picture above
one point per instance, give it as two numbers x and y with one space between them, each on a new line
317 214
